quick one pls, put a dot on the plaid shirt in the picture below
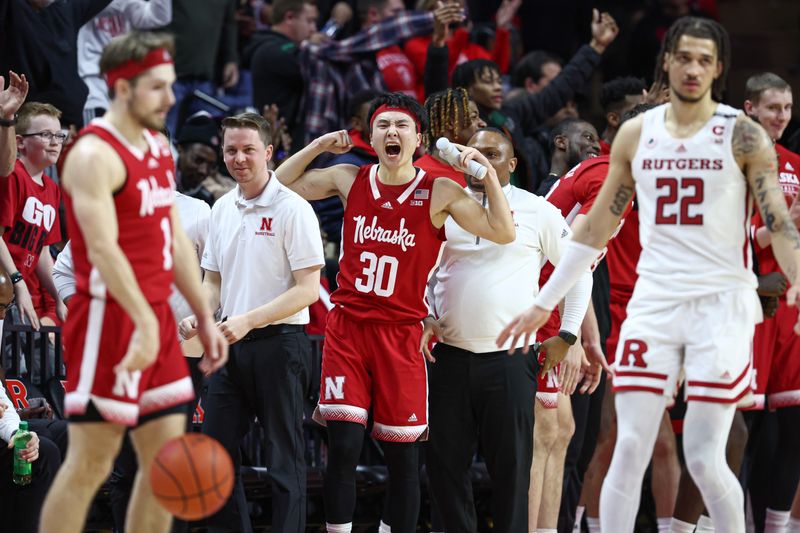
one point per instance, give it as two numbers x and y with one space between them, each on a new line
336 70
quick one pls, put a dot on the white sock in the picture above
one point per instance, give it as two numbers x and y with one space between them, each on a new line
794 525
384 528
339 528
578 517
705 525
776 521
705 435
679 526
638 419
540 530
663 524
594 524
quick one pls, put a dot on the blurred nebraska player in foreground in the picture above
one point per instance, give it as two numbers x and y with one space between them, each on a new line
124 364
693 163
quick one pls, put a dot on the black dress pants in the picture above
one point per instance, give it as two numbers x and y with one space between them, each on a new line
266 377
21 506
481 399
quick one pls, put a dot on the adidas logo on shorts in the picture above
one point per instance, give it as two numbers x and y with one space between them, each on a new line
413 417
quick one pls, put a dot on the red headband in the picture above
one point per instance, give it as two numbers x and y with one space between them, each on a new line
131 69
384 107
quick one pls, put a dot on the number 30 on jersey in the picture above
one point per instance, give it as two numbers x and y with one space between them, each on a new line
378 275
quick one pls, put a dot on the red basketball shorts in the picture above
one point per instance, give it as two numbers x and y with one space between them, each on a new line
96 337
618 314
778 376
378 366
548 385
765 341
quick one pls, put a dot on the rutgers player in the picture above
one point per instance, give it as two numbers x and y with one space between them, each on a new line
776 350
575 194
391 240
694 307
120 340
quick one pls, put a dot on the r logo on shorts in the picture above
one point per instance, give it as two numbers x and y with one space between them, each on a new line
633 353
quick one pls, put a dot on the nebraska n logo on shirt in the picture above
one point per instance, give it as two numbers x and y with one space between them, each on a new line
266 227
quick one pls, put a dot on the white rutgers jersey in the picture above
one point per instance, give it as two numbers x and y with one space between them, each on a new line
694 211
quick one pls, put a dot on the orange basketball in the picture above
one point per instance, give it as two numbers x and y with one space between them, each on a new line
192 476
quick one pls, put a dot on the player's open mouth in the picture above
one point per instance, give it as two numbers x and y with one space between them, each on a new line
393 149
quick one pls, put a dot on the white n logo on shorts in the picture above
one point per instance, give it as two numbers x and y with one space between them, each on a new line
127 384
334 390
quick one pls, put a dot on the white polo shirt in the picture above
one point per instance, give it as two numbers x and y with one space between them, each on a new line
481 286
256 244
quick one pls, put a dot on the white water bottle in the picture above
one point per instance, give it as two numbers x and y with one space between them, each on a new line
450 153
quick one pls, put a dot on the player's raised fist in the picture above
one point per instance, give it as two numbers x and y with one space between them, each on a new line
336 142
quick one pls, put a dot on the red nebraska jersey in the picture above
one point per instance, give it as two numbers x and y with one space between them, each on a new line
788 173
389 249
397 71
622 258
29 214
574 194
143 205
437 169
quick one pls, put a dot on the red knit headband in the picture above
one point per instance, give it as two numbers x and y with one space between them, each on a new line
384 107
131 69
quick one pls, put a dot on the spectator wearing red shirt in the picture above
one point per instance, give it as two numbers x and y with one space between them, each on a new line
395 67
460 49
453 116
29 202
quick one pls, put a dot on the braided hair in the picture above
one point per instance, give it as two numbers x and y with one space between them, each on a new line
443 107
700 28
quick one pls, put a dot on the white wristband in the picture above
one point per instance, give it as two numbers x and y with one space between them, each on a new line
576 259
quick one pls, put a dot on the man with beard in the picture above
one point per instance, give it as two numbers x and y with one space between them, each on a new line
198 157
694 307
575 145
124 364
477 393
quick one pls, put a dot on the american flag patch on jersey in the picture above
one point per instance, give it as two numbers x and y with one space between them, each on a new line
421 194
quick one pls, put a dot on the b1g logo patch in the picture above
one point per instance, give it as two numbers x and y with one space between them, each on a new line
633 353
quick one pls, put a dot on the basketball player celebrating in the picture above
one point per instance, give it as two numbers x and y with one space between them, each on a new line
768 100
391 240
120 339
691 162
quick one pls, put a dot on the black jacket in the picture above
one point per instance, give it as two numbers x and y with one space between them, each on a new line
520 117
43 46
277 79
